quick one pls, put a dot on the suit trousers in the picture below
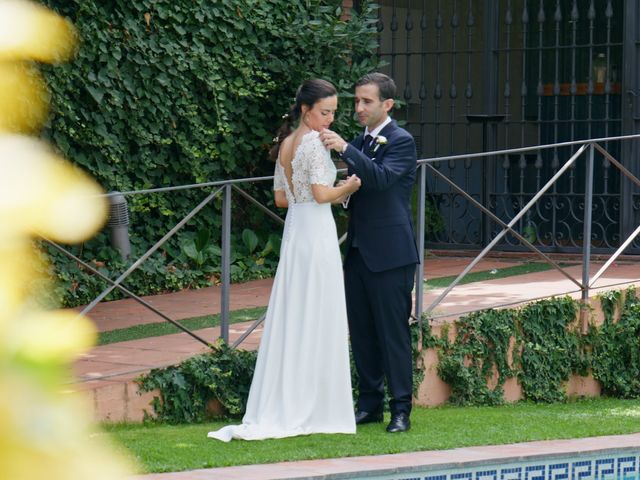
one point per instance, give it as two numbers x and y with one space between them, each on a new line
378 308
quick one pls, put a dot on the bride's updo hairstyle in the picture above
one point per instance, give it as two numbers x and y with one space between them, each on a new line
308 94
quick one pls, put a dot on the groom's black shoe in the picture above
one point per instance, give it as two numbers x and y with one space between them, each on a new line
366 417
399 423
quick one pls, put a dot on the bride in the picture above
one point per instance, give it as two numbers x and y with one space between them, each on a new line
302 380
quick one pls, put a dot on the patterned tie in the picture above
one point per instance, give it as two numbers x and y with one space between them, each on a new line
367 144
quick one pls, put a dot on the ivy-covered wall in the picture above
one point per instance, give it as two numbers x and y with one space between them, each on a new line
540 349
172 92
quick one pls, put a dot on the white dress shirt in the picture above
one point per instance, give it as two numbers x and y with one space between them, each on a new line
376 131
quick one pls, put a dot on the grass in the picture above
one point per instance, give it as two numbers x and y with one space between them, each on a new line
165 328
471 277
167 448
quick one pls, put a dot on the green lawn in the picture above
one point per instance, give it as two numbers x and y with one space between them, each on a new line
165 448
249 314
165 328
471 277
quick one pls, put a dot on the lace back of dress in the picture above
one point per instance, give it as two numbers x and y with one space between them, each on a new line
311 164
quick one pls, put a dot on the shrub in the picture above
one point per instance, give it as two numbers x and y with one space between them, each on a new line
173 92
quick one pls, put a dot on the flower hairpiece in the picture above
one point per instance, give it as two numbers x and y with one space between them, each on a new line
276 139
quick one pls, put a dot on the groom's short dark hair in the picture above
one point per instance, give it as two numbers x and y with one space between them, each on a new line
386 85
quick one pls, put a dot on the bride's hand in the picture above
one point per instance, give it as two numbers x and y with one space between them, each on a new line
353 183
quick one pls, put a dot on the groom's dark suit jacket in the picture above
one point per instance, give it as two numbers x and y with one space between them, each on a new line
380 214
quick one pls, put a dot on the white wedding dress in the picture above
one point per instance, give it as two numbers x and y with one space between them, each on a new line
302 380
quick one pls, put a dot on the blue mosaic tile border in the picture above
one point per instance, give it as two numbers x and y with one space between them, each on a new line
617 466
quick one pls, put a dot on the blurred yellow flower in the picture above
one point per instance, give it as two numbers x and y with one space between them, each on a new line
54 338
30 31
46 435
42 194
23 98
43 432
18 275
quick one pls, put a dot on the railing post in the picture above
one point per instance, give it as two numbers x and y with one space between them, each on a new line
226 263
586 241
422 192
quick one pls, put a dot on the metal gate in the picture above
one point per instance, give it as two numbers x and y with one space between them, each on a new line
498 74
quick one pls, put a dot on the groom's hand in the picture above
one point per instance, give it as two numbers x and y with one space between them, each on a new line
333 141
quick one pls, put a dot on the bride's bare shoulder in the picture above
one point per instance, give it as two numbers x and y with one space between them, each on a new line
287 142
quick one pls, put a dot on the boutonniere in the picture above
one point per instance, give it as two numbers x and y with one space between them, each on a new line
380 140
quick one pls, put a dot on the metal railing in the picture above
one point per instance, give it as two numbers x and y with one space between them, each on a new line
585 149
588 146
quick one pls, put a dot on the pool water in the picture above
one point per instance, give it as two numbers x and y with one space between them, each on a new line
620 465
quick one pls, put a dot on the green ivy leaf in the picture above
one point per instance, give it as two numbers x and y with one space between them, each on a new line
96 93
250 239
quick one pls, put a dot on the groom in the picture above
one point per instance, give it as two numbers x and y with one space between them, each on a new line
381 254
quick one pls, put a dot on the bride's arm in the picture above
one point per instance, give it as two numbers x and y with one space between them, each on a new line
343 198
281 199
324 194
